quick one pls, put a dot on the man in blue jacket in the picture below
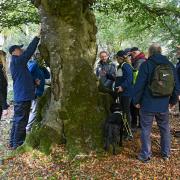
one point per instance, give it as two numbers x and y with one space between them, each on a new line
24 90
39 74
124 83
151 106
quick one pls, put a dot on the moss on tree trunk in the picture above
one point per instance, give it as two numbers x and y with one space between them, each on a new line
73 105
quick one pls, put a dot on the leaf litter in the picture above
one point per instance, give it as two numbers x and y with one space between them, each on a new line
36 165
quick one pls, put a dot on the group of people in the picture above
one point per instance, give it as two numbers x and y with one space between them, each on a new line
28 73
148 87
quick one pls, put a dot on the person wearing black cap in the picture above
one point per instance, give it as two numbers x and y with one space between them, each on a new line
124 83
24 90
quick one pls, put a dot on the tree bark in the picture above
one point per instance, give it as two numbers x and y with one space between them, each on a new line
73 108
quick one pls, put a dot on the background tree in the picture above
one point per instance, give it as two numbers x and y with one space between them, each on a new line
139 22
17 12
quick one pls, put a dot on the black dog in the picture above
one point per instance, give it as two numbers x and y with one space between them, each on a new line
113 128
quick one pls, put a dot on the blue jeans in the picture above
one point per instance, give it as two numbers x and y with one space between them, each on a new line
20 120
146 124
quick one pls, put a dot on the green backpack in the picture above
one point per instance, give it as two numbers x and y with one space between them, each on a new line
162 80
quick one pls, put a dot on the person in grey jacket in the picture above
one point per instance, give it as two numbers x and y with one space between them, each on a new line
138 58
106 70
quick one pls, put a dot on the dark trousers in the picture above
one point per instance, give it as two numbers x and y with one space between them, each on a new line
135 116
1 111
125 102
20 120
5 104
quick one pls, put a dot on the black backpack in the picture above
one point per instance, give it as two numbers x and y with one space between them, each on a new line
162 80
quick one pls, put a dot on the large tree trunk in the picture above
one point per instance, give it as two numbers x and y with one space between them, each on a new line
74 106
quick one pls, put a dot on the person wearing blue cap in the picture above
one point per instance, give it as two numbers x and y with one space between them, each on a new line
124 83
24 90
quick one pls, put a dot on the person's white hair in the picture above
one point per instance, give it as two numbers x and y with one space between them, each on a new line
155 48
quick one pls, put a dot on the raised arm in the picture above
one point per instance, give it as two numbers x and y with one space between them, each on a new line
27 54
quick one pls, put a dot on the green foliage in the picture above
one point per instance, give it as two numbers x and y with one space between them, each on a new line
18 35
17 12
121 23
139 22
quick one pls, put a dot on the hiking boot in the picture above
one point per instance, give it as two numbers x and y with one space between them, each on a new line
165 158
128 138
143 160
9 147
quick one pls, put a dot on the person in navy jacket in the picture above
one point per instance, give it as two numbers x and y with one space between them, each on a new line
24 90
39 74
151 107
124 83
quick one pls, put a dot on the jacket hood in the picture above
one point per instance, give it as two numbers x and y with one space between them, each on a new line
159 59
140 56
32 65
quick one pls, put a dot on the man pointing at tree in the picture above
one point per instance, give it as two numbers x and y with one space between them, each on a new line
23 87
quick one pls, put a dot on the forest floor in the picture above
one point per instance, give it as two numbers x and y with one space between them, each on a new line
37 166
